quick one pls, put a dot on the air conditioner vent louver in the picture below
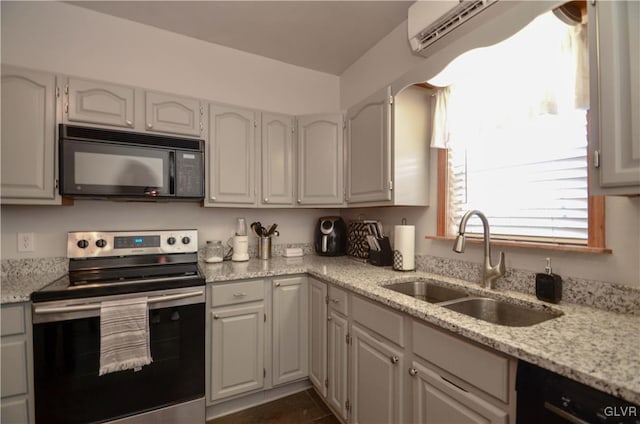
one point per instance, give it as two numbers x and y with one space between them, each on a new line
462 12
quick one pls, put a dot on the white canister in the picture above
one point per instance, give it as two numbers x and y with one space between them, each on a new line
404 247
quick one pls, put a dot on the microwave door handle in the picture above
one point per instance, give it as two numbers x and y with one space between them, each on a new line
172 173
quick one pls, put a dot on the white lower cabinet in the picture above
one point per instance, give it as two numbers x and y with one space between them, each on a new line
318 335
290 332
235 339
376 378
337 351
437 400
17 358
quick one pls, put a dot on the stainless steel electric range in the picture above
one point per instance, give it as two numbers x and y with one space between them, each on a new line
160 266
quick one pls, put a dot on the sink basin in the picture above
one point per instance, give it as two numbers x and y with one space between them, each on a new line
426 291
501 313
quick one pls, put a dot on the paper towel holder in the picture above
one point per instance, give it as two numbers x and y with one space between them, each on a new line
400 263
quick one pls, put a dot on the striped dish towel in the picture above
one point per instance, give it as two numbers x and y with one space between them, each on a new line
124 335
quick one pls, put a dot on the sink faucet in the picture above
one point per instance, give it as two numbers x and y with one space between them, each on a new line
490 273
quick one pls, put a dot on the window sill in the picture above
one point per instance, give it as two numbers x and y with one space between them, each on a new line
531 245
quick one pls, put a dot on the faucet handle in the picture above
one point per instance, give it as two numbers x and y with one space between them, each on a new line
501 264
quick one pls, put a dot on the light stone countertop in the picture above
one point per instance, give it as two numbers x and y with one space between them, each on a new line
592 346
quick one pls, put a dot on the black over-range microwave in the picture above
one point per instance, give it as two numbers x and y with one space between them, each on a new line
100 163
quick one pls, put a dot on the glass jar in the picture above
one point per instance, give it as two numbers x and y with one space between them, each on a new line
214 251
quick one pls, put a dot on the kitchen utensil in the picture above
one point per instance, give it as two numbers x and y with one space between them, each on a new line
271 230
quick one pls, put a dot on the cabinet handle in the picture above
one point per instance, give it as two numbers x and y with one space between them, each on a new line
394 359
149 126
216 316
239 294
413 372
129 123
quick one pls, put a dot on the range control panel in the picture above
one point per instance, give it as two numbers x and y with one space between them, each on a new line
92 244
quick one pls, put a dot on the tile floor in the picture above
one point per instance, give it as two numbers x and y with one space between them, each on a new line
300 408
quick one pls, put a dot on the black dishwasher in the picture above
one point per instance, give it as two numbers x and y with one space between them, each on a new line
546 397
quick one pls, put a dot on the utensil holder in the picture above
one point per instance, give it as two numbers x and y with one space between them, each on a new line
264 247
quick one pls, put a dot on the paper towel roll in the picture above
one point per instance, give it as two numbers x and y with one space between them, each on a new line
404 247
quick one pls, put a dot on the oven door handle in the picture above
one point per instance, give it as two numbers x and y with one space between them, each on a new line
96 306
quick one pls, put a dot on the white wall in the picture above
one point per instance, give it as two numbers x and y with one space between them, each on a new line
50 224
391 61
63 38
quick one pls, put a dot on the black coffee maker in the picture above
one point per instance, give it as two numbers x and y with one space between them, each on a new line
330 237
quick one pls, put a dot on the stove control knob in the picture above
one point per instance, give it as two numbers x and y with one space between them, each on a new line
186 240
83 244
171 241
101 243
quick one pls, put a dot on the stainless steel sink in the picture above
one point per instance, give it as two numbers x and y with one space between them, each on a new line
426 290
501 313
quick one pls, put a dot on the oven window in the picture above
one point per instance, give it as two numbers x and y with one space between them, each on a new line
66 361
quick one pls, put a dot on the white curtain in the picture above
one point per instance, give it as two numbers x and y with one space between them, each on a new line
543 69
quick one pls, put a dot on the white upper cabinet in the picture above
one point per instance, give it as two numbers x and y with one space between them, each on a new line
320 160
28 137
101 103
231 157
614 119
277 160
173 114
369 149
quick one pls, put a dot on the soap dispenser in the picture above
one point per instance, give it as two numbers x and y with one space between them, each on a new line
548 285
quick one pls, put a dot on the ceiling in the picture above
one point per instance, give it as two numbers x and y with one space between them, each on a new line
327 36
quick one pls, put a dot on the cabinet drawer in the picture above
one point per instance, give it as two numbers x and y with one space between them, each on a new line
238 292
481 368
338 300
13 320
383 321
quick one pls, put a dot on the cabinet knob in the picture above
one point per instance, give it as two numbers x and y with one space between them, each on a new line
213 198
216 316
149 126
413 372
335 300
394 359
329 318
129 123
299 201
266 200
277 284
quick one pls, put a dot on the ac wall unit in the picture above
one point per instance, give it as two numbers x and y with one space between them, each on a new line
429 20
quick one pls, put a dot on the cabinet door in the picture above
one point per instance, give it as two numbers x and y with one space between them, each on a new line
172 114
376 378
290 336
231 150
320 160
277 160
369 149
237 350
28 136
96 102
614 133
436 400
338 329
318 334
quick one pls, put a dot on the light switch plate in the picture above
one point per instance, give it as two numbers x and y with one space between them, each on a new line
26 242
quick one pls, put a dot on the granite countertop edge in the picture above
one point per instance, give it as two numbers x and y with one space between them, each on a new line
592 346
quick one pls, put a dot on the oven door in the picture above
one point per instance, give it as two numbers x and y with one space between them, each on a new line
66 348
90 168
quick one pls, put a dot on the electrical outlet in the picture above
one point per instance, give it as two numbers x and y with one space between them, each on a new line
26 242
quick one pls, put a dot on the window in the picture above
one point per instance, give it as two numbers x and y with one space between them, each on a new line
513 120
